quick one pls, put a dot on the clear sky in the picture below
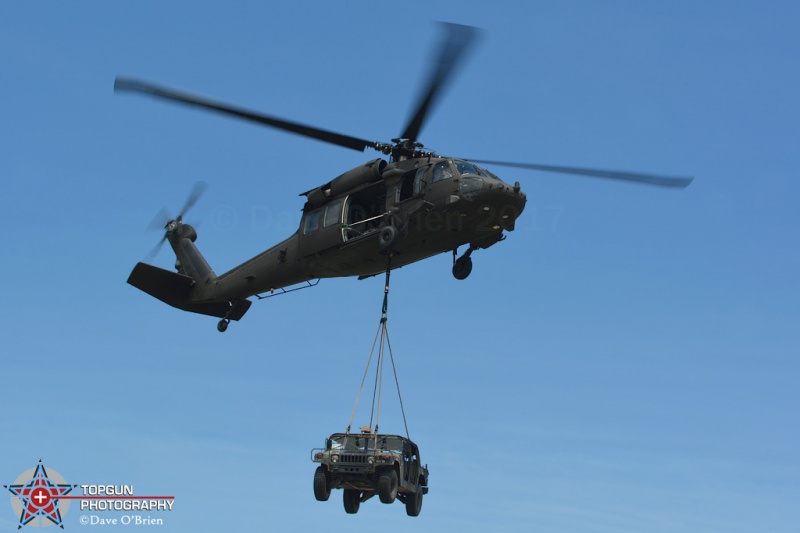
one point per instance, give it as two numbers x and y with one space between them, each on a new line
626 361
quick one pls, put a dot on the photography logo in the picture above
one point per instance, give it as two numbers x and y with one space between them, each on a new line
37 497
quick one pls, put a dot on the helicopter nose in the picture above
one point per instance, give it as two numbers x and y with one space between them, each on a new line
506 202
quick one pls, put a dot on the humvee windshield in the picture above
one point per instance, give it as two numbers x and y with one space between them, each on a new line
364 443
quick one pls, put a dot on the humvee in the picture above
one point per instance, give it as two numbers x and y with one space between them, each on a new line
366 464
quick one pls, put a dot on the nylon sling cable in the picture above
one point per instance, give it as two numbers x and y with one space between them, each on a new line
363 379
380 379
372 352
383 333
397 383
385 318
375 391
382 328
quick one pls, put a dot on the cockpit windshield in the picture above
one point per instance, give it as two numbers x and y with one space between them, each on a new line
488 173
465 167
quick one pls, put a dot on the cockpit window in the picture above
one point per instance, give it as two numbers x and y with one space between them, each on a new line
332 213
488 173
441 171
467 168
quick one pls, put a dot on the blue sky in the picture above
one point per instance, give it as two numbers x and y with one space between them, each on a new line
625 361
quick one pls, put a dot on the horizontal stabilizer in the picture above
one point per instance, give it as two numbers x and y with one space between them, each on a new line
174 289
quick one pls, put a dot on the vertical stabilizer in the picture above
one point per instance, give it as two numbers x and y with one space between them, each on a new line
190 262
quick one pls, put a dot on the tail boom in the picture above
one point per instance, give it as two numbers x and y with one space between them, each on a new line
176 290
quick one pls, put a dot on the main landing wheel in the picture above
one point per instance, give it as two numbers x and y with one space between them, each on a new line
222 325
462 268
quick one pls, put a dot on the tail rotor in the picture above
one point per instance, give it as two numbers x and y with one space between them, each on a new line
164 222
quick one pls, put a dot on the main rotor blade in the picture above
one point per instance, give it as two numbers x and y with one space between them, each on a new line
126 84
636 177
451 51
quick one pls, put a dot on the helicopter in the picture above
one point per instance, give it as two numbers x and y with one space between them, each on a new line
378 216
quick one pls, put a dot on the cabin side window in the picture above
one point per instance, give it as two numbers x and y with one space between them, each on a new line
411 184
312 222
333 214
419 181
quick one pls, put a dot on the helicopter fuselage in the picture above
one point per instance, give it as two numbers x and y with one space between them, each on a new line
409 210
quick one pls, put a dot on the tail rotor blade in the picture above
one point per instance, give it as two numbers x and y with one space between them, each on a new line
159 221
163 218
154 252
199 188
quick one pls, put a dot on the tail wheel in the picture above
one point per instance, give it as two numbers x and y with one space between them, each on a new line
352 501
322 486
387 486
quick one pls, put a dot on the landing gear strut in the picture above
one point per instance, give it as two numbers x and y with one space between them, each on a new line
222 325
463 265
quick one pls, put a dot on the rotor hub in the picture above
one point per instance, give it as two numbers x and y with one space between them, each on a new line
403 149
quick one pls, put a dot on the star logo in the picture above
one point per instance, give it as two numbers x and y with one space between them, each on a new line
37 497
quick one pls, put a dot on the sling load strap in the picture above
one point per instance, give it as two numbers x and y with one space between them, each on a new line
363 379
383 334
374 343
396 382
385 308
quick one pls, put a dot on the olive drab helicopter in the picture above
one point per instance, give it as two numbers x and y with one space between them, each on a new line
380 215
